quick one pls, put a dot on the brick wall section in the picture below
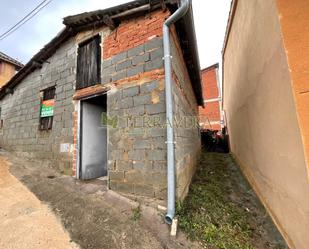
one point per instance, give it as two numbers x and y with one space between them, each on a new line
187 135
21 111
210 115
210 84
132 33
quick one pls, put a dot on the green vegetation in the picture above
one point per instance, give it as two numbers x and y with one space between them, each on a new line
208 214
136 213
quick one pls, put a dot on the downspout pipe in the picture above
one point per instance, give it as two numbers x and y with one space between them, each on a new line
180 12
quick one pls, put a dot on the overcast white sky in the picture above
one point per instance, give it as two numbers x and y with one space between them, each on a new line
210 17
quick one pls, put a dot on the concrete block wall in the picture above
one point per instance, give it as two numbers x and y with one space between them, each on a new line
186 132
134 72
21 111
137 60
136 147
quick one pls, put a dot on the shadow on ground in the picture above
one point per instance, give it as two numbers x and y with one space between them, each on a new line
94 217
222 211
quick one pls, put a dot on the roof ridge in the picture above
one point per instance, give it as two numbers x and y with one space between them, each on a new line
11 60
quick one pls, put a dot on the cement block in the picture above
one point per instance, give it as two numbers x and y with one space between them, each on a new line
154 64
140 59
123 65
158 53
156 155
142 99
137 155
149 87
154 43
119 57
131 91
136 51
116 175
135 70
126 103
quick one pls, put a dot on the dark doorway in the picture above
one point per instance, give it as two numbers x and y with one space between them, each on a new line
93 137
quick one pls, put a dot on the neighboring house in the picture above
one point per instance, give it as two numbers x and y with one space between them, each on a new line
266 99
8 68
92 101
210 115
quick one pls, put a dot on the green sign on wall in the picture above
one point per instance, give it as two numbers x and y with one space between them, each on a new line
47 108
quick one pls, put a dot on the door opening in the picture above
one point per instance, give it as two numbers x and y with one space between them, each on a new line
93 138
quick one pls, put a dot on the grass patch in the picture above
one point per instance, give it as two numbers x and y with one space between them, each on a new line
207 214
136 213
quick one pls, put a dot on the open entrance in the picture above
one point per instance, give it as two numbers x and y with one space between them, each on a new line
93 138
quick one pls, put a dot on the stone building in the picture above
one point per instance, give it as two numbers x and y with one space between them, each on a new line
8 68
92 101
265 96
211 116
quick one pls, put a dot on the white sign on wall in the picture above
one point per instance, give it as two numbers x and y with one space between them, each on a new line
64 148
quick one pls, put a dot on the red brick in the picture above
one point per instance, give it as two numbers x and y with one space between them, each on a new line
132 33
211 112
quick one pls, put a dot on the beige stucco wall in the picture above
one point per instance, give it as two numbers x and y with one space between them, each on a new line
261 117
6 73
294 19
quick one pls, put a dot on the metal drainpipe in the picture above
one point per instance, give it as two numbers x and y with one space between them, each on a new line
184 6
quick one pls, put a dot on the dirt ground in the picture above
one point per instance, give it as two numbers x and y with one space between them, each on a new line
221 211
93 217
24 221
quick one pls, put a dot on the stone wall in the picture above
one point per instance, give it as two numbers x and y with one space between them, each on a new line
21 111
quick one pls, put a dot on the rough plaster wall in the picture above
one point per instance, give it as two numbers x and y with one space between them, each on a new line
261 117
187 134
21 110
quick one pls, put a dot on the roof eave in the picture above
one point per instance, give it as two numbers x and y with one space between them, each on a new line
229 24
185 27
